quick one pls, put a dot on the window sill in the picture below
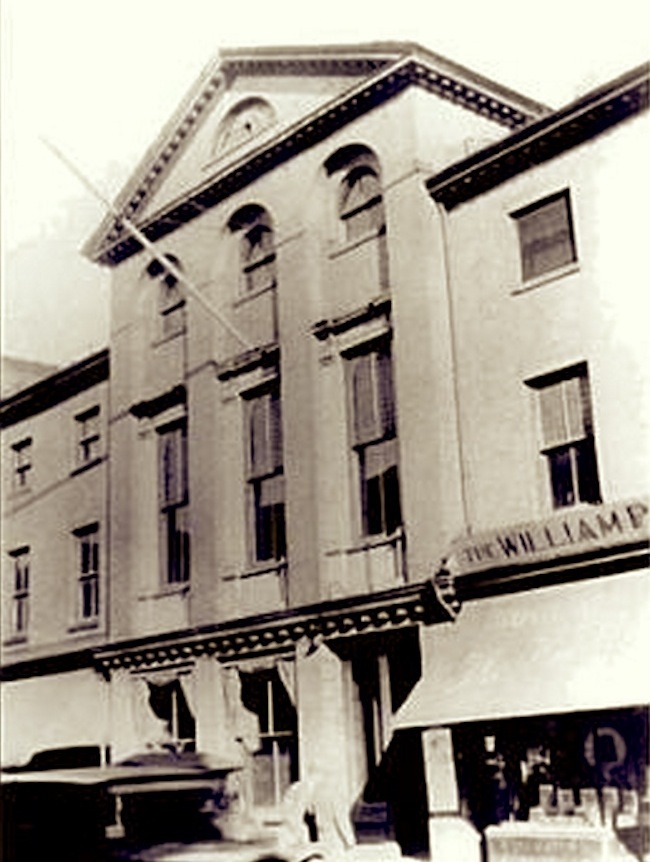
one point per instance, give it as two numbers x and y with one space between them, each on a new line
245 297
276 567
17 640
369 543
546 278
88 465
85 626
580 506
339 248
165 591
163 339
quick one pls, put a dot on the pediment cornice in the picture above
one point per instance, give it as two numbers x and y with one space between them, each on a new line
387 76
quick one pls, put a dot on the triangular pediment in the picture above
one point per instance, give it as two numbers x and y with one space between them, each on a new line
253 108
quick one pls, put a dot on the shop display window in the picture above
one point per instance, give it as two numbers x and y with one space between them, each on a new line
582 768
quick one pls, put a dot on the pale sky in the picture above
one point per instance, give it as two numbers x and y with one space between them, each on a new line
99 80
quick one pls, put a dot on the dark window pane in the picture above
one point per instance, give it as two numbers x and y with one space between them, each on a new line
269 530
373 508
588 484
263 531
391 500
561 477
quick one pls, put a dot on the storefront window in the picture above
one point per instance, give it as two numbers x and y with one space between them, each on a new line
591 767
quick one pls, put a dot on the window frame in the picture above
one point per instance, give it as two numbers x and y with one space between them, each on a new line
273 731
257 261
88 440
374 436
20 592
171 301
529 274
88 573
173 503
253 262
266 523
366 218
22 454
567 439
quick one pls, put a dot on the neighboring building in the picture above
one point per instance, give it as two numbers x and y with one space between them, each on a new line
393 352
16 374
54 567
537 679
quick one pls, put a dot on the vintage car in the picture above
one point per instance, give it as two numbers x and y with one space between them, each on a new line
157 807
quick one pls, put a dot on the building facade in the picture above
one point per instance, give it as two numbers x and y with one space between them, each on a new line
55 541
378 449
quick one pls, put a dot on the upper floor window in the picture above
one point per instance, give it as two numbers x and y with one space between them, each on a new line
20 565
88 436
256 248
360 197
174 502
374 437
87 539
546 236
22 463
568 436
171 301
265 475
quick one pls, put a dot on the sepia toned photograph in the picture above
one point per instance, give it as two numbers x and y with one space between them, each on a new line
325 432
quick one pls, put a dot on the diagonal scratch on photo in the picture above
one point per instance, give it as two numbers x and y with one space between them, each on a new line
335 544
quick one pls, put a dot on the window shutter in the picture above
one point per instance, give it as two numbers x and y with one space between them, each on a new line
551 402
546 237
173 466
275 429
379 457
272 491
258 449
386 395
363 400
575 407
265 430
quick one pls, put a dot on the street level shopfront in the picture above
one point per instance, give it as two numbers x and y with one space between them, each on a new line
533 702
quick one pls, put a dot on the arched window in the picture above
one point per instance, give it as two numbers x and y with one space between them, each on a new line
361 207
360 201
256 249
171 302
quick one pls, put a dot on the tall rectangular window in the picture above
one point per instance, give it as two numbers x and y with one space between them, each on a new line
88 436
20 565
546 236
265 475
374 437
174 502
87 539
568 442
22 463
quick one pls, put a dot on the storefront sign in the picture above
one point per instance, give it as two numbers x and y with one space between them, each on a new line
566 534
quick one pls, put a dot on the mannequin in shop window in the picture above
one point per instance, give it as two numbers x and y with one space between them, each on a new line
495 800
